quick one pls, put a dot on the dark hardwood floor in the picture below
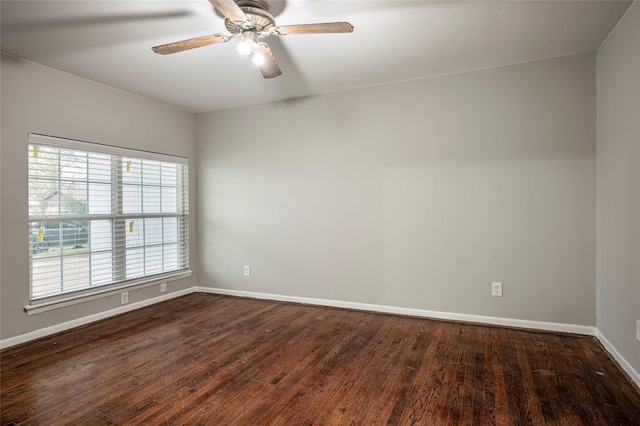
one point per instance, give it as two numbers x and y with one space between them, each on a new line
219 360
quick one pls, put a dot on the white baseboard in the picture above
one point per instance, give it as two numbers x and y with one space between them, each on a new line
635 376
11 341
536 325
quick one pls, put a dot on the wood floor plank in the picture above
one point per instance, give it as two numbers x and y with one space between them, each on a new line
208 359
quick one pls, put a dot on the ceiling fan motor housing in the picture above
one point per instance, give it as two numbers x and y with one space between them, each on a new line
259 4
260 20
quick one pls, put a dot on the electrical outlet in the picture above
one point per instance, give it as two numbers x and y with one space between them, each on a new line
247 270
163 287
124 297
638 329
496 289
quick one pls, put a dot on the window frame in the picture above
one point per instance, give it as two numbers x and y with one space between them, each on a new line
118 226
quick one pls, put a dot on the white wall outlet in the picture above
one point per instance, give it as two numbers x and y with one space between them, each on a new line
163 287
638 329
124 297
496 289
247 270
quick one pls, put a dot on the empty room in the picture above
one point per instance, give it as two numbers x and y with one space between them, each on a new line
320 212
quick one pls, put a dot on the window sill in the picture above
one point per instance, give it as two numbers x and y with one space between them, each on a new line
36 307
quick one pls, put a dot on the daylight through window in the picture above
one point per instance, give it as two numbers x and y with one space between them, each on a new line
101 215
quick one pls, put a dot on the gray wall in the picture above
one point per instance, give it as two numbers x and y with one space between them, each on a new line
417 194
618 283
42 100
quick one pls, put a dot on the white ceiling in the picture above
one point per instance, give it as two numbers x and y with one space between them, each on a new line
110 42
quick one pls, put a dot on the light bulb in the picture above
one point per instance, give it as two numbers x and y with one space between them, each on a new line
258 58
248 43
244 48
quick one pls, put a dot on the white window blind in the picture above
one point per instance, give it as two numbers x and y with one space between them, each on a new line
101 216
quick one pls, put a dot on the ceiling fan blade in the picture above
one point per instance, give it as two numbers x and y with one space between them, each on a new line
191 43
230 10
269 68
327 27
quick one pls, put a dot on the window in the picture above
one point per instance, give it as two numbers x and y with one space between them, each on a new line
103 216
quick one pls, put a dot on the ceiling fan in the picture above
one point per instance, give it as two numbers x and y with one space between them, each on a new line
250 20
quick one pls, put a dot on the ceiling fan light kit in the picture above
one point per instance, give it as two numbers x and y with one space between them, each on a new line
250 20
248 43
